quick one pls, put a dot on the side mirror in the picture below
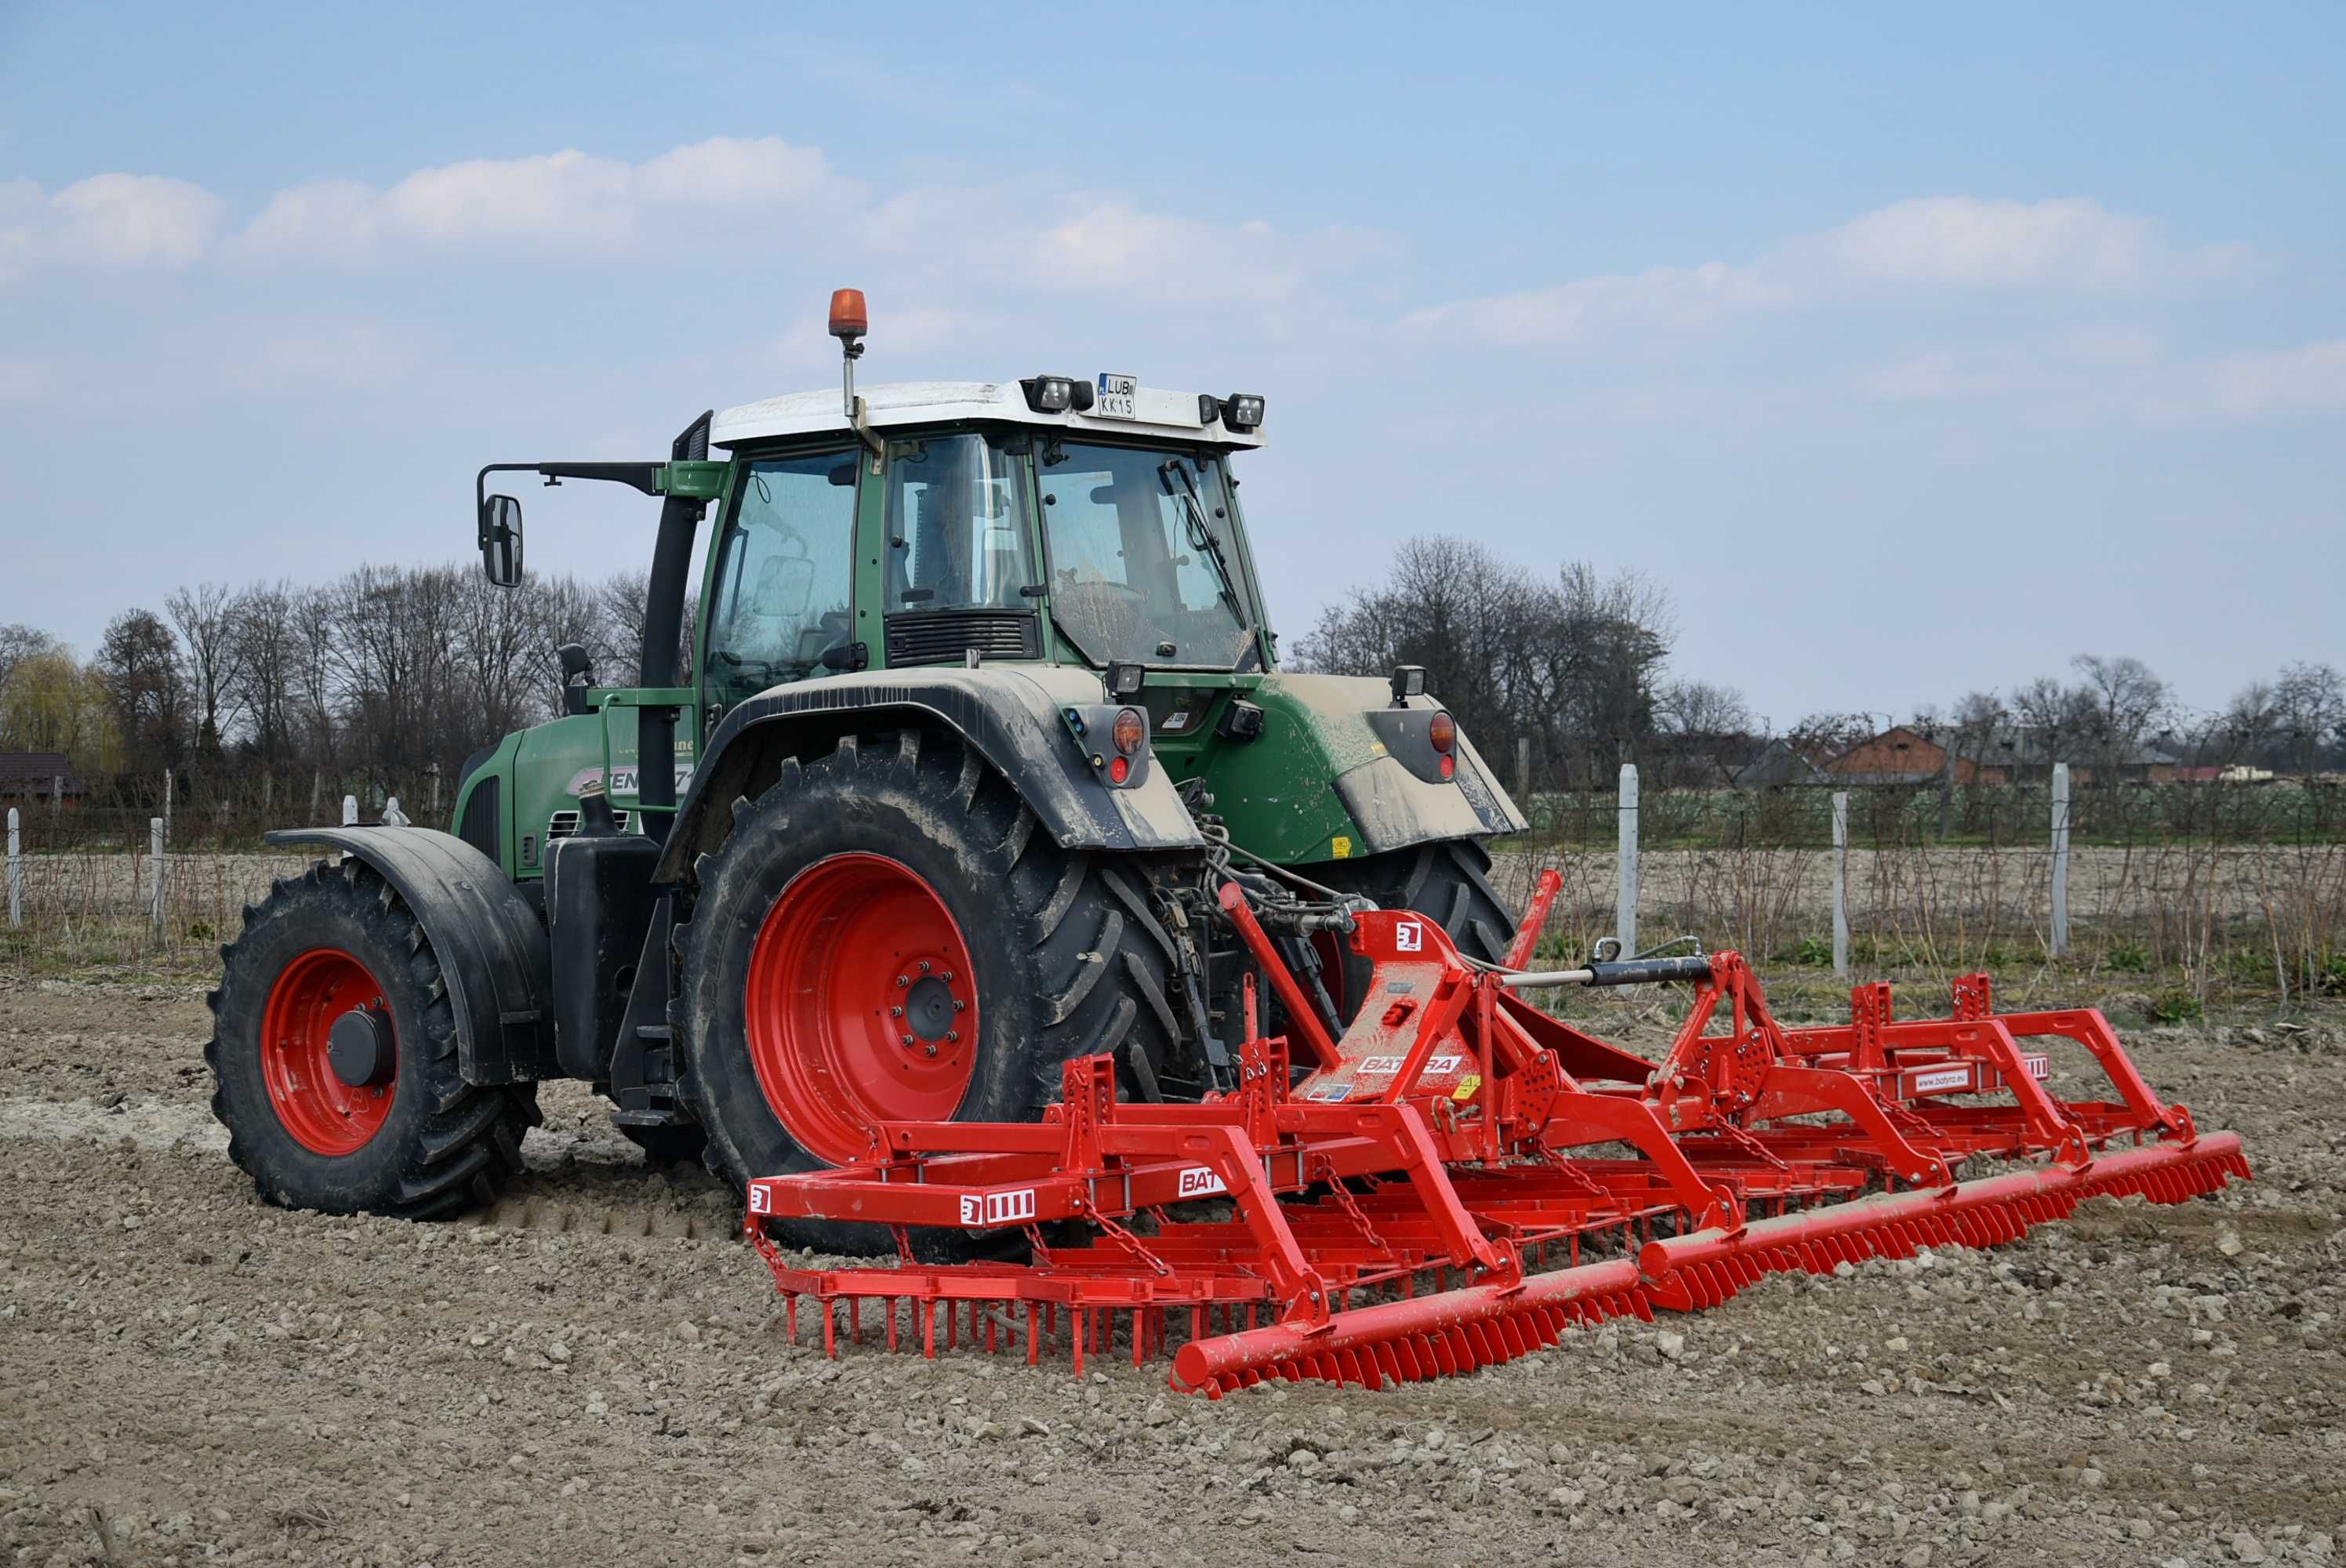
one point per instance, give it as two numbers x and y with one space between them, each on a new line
501 540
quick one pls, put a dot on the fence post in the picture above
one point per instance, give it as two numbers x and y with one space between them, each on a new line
56 795
2060 858
350 810
1625 919
15 873
1523 771
1841 882
166 805
434 771
154 870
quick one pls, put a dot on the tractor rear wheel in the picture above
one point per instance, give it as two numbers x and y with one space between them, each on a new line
334 1065
1448 880
887 934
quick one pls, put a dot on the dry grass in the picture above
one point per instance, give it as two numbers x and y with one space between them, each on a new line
2185 922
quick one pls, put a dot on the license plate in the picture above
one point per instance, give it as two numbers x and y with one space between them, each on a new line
1114 399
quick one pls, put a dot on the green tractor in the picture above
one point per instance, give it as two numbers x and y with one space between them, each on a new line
981 710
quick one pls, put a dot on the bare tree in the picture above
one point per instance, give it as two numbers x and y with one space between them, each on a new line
139 660
268 659
19 643
206 617
2309 706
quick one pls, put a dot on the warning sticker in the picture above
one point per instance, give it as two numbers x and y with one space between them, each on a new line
1466 1086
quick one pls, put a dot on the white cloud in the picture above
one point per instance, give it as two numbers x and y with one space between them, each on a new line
565 200
1108 243
1659 300
2310 379
1909 248
1962 241
113 220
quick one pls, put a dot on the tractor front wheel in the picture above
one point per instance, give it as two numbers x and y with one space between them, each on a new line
334 1064
888 935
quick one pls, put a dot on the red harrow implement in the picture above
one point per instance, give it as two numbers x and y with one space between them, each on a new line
1457 1138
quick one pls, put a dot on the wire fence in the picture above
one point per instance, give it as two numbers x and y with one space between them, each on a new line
2185 917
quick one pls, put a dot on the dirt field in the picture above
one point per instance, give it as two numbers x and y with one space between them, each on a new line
597 1374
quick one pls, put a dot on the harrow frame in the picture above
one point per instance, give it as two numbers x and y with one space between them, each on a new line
1455 1135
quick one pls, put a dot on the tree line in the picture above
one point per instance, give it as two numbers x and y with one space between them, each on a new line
1577 664
388 677
370 684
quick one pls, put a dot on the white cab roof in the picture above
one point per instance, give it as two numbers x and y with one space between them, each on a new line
1157 412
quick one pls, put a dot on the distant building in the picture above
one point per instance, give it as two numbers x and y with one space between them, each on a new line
38 776
1775 767
2011 755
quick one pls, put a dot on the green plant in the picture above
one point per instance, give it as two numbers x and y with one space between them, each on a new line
1813 952
2175 1004
2329 973
2128 958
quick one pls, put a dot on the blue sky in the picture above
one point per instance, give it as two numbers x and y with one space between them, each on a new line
1916 352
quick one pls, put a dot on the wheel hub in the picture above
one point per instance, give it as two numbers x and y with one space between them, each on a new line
359 1048
930 1006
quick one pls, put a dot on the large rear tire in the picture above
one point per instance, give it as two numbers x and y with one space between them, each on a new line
1448 880
335 1060
888 934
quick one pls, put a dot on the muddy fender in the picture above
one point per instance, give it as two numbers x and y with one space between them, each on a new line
491 946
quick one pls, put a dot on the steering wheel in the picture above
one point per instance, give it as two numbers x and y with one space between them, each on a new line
1069 584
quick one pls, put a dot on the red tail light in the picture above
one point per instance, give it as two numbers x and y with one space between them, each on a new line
1120 768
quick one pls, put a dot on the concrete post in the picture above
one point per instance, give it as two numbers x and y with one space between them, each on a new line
155 871
350 810
1625 919
15 873
1841 882
2060 932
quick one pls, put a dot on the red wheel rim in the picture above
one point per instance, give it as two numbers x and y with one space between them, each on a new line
861 1003
325 1116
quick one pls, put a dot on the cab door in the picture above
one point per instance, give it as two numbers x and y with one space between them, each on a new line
780 605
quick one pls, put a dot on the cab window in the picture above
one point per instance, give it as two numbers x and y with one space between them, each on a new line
959 536
785 576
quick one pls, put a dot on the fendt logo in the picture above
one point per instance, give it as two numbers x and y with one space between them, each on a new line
1201 1181
1409 936
983 1208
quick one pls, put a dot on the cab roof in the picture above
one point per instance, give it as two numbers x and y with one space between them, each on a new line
1157 412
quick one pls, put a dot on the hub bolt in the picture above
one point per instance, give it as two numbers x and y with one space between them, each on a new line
928 1050
924 966
896 1012
953 1035
903 980
905 1039
959 1005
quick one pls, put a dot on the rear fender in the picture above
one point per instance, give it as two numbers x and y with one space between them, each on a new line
1010 715
491 949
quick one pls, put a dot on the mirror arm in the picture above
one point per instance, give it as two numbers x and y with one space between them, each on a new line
642 475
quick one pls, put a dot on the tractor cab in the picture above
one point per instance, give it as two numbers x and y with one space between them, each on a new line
1079 537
